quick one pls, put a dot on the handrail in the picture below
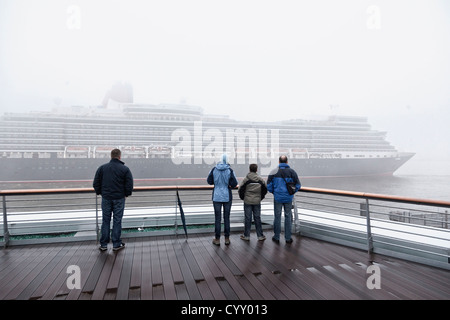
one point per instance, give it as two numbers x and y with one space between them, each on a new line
376 196
17 192
354 194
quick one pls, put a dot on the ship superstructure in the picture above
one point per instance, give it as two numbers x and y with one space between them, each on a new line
176 141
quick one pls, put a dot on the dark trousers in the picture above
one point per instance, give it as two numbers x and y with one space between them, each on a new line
255 211
218 218
278 206
115 209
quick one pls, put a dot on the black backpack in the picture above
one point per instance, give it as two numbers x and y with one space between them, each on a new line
244 186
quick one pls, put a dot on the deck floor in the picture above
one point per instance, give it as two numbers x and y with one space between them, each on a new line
173 268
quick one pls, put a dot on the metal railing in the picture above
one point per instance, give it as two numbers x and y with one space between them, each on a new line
59 215
414 229
408 228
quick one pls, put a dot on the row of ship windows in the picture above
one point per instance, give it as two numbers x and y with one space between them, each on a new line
6 151
169 129
160 137
93 122
309 147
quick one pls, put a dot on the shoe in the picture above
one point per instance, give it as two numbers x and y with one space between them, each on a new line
122 245
262 238
275 240
227 241
216 242
289 241
103 248
243 237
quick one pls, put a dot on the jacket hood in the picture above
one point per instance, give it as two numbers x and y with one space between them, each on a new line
222 166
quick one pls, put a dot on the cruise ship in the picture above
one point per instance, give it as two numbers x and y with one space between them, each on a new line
167 141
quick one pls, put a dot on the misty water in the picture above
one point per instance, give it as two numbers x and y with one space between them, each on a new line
418 178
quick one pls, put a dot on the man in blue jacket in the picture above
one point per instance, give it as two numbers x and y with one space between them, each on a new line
276 184
114 182
223 179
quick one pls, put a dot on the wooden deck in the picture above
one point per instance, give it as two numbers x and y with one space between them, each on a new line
172 268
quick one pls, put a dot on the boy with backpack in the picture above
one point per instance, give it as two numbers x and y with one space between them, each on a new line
252 190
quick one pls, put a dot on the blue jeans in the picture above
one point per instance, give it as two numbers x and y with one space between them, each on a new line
254 209
218 218
277 206
113 208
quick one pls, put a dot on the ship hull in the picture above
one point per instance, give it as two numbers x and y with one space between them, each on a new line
51 169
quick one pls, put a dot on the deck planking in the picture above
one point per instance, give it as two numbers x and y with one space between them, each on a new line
176 268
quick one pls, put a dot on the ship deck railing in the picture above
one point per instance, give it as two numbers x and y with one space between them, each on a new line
407 228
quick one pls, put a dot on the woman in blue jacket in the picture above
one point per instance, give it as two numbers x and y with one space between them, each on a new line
223 179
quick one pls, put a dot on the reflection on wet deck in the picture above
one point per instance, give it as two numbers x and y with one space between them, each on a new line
173 268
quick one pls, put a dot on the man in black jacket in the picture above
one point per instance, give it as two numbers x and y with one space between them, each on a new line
114 182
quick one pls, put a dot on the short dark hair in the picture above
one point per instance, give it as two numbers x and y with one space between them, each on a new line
253 167
115 154
283 159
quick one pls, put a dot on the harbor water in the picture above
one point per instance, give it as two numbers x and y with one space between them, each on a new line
419 178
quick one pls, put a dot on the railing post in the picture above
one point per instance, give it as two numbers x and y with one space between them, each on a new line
446 219
295 214
369 229
176 214
5 223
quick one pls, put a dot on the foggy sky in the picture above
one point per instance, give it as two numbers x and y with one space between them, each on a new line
251 59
